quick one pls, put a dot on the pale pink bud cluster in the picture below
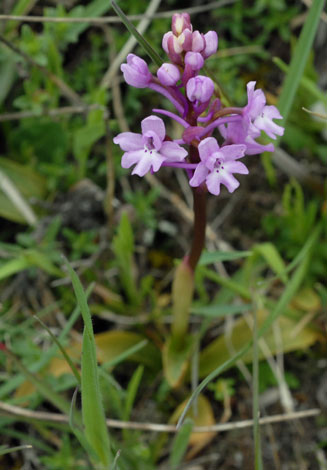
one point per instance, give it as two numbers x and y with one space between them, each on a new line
183 39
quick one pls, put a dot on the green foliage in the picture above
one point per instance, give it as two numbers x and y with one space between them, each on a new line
96 432
125 376
293 226
123 246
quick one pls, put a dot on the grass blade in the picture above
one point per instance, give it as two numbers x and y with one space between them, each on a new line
94 420
7 450
299 60
64 353
154 56
180 444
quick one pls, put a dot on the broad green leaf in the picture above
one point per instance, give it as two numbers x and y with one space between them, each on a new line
220 256
176 360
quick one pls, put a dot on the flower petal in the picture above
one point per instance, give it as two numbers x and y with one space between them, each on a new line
215 179
207 147
199 175
265 121
154 124
233 152
149 160
129 141
172 151
236 167
130 158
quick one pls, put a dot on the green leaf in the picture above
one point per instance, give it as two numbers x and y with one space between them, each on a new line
299 60
123 246
84 139
176 360
94 420
308 84
19 175
221 256
154 56
180 444
132 389
269 252
8 73
218 310
13 266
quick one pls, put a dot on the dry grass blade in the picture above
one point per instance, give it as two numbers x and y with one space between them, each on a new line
153 427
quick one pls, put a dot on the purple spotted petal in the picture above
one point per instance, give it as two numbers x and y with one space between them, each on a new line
129 141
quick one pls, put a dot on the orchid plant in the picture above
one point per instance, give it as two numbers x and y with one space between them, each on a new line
214 141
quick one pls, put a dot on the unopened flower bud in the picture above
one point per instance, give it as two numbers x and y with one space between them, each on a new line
180 21
168 74
198 42
136 72
211 44
200 88
194 60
